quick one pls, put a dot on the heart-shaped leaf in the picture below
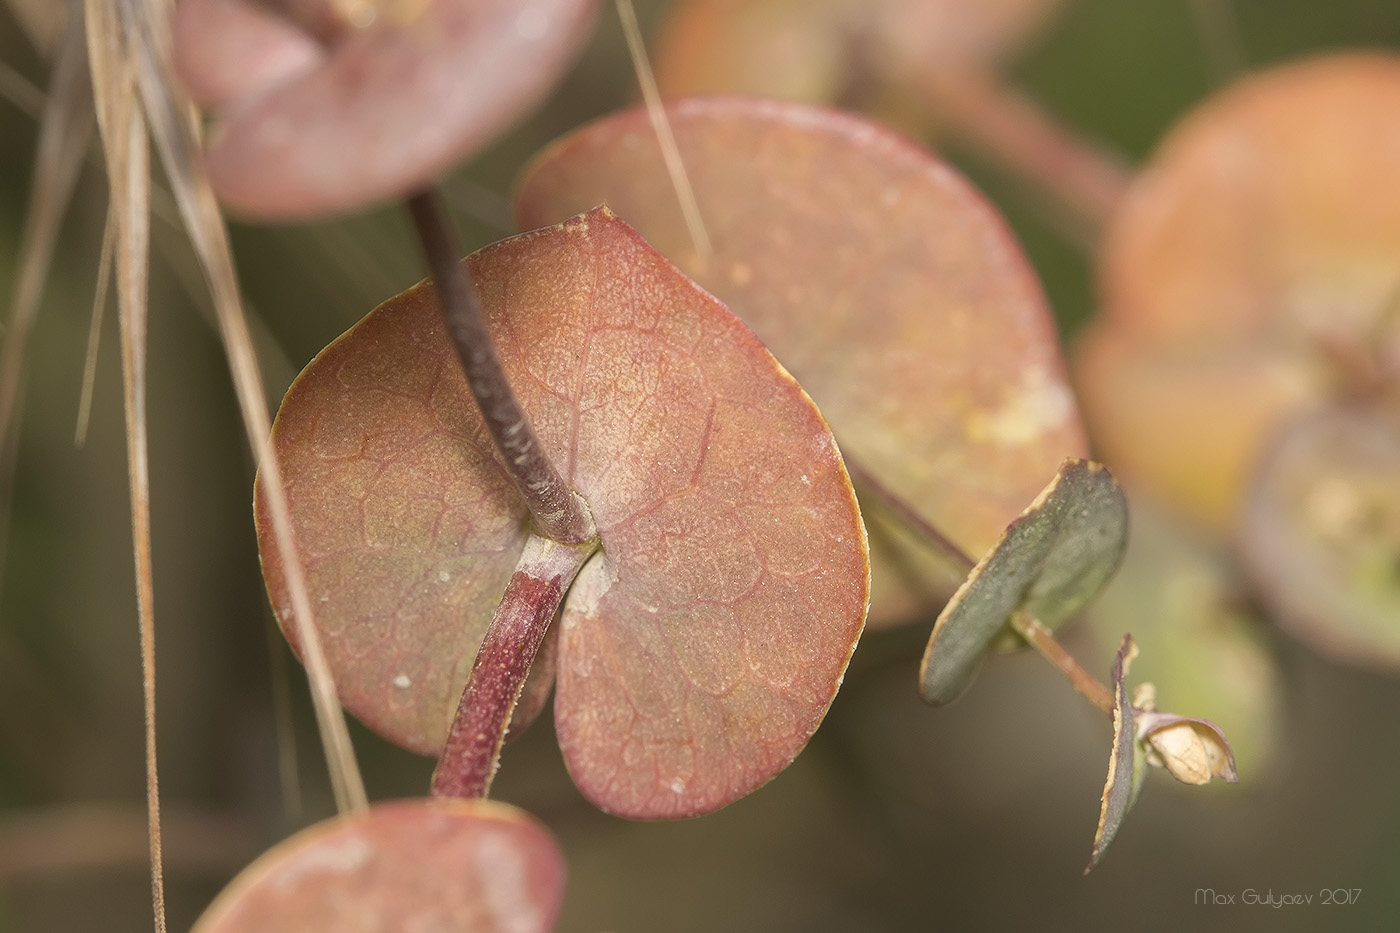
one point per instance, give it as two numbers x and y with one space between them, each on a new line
1255 256
470 866
700 649
326 114
1320 534
1049 564
878 276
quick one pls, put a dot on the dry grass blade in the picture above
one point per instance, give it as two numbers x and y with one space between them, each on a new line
173 131
690 208
43 21
63 134
99 307
18 90
129 177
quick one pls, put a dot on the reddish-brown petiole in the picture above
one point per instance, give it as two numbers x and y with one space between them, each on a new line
528 606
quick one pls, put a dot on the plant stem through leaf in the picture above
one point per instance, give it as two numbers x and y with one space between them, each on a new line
528 606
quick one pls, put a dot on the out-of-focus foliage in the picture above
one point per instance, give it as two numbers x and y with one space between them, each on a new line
976 812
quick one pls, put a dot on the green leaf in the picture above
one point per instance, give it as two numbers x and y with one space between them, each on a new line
1126 769
1050 562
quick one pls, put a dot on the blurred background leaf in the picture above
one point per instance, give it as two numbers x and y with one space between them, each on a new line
897 817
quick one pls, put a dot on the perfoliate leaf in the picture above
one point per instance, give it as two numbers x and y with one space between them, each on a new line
470 866
699 650
321 114
1248 275
1050 562
879 277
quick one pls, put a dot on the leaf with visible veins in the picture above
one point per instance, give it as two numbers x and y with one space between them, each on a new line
466 866
877 275
318 114
700 648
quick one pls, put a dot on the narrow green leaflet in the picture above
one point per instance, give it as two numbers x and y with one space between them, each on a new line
1050 562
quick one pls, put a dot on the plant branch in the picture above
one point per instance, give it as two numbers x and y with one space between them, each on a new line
870 487
1043 641
1028 627
1009 128
558 513
528 606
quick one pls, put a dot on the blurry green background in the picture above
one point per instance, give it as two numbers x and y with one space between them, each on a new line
897 816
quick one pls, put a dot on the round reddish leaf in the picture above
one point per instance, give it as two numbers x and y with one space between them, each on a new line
1248 274
227 49
879 277
699 650
1321 534
377 110
1263 212
470 866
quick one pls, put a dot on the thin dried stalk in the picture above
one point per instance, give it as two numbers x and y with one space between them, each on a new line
1011 130
670 152
18 90
63 133
145 29
99 307
128 172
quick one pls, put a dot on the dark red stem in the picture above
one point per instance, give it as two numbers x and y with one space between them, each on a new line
558 513
527 608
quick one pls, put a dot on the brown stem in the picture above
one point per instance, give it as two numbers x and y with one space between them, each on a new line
871 488
559 514
1009 128
1043 641
1031 629
527 608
